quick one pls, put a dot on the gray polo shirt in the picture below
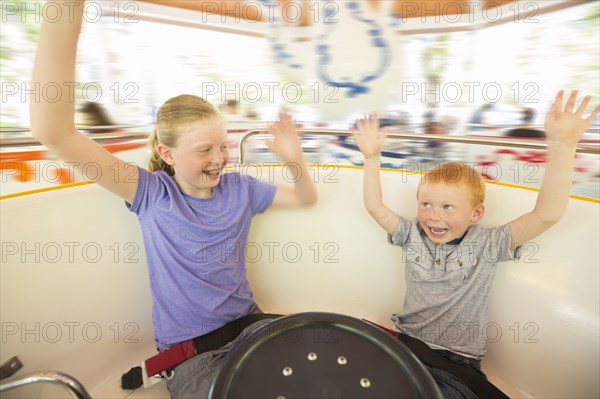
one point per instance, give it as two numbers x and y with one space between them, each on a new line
448 285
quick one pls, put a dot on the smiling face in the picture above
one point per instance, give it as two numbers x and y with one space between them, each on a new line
199 157
446 211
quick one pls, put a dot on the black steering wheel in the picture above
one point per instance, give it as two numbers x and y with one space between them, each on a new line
321 355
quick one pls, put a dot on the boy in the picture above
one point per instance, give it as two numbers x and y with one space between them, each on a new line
450 260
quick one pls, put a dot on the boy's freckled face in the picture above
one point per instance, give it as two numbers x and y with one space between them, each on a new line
445 211
200 156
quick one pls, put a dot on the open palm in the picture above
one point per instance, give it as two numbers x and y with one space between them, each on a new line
286 142
565 124
369 137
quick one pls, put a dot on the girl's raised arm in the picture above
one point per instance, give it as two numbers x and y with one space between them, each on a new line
52 122
286 145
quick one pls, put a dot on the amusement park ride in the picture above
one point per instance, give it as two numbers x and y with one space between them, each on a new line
75 295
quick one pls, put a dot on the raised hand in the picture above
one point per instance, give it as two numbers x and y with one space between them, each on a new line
565 125
564 128
285 143
368 136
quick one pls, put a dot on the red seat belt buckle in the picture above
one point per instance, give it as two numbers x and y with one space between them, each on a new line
168 359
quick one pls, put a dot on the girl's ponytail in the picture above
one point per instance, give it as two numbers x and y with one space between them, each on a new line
156 162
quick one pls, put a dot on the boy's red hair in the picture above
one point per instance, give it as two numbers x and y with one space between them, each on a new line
457 173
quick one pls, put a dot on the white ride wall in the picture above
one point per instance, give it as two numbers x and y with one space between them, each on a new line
75 294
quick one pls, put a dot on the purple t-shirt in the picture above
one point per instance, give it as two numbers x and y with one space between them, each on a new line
195 251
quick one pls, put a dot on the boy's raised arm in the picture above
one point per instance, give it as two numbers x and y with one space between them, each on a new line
564 128
370 139
52 121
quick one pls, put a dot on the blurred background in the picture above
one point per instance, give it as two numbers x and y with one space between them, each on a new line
130 64
443 67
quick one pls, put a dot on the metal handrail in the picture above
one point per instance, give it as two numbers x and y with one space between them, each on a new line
582 148
53 377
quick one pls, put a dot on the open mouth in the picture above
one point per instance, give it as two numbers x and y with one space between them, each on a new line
212 172
438 231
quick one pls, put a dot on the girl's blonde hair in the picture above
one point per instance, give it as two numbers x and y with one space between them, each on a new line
173 115
457 173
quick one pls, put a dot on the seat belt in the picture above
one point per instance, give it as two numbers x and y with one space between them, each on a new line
471 378
177 354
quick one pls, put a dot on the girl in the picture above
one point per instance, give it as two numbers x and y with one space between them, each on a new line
195 219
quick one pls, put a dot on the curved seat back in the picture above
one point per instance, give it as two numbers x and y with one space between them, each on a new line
75 294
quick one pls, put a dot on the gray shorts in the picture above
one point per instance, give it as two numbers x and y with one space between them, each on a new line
192 378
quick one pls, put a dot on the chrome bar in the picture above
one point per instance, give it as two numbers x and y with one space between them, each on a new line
582 148
53 377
